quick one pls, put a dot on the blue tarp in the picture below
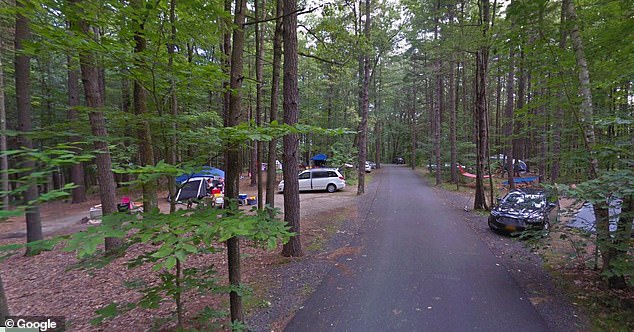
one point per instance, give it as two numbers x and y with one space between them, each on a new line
206 171
522 180
585 219
319 157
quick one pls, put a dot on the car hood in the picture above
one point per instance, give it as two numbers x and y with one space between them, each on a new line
516 212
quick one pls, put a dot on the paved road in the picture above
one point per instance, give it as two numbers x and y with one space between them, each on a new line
419 268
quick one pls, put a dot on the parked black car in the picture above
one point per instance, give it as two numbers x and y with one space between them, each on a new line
398 160
524 209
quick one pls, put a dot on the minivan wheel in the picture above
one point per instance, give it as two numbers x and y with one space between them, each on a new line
331 188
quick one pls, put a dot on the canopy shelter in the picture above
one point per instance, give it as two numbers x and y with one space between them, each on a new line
319 159
205 172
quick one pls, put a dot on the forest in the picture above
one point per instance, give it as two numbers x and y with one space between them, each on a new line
111 96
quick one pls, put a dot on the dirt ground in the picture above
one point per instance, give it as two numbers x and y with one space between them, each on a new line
48 285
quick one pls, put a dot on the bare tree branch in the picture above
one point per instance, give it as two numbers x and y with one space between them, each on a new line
320 59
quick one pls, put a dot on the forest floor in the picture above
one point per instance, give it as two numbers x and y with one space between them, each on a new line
49 284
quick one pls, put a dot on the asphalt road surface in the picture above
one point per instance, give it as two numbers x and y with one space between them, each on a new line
418 268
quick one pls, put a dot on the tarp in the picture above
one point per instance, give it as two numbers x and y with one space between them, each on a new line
585 219
522 180
470 175
319 157
205 172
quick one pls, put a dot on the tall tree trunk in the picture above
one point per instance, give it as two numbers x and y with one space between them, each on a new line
260 12
94 101
559 113
609 252
481 105
413 123
271 173
226 48
519 144
497 130
144 135
4 162
23 96
413 119
438 96
378 127
232 155
76 170
253 149
508 119
377 143
453 113
293 248
171 151
543 133
587 110
4 305
363 125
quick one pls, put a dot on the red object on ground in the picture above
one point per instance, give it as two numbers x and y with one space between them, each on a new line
470 175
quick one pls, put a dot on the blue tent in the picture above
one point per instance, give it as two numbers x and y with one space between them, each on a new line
319 157
205 172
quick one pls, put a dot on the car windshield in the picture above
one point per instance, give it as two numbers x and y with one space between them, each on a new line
524 201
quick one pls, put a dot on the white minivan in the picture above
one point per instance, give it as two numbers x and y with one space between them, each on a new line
329 179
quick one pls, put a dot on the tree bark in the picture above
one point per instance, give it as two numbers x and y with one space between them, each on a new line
481 105
226 48
4 162
379 123
293 248
94 101
508 119
23 96
363 125
413 123
609 253
4 305
519 144
271 173
232 155
438 96
377 142
260 12
453 114
144 135
78 193
559 113
171 150
4 167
